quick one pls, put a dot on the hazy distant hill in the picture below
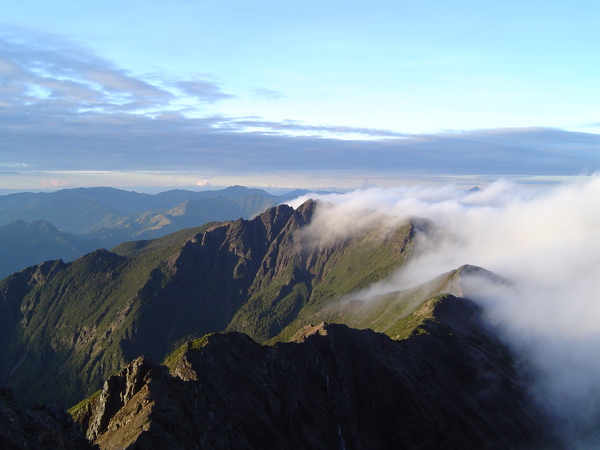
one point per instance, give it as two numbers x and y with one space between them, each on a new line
84 209
25 244
80 220
71 210
188 214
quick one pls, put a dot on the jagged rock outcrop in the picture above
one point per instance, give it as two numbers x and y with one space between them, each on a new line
452 386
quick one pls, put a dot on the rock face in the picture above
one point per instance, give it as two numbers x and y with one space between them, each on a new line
450 386
40 428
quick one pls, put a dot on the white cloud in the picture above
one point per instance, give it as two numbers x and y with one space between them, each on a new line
545 239
205 91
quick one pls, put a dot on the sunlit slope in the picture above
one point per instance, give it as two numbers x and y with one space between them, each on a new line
397 314
299 278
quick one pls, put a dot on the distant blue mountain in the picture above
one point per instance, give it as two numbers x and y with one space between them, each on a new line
68 223
25 244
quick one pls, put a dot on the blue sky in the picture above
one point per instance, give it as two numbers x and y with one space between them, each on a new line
296 93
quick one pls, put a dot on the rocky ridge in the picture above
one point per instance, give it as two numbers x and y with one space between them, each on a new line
451 386
41 428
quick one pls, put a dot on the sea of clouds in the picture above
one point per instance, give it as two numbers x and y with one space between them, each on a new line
545 239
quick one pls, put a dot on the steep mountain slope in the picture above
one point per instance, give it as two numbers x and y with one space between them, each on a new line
67 327
71 325
299 274
65 322
453 386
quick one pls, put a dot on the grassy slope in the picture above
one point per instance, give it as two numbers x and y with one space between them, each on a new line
390 313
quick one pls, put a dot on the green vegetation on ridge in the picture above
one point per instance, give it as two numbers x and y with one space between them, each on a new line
73 323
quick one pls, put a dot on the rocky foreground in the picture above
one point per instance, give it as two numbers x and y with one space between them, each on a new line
450 385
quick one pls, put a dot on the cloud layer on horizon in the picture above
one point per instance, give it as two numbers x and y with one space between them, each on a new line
64 108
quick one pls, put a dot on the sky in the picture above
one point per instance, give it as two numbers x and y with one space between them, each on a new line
297 94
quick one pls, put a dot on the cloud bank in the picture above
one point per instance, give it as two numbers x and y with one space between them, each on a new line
545 240
64 108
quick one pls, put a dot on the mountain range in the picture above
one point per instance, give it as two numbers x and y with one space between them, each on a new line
66 224
246 334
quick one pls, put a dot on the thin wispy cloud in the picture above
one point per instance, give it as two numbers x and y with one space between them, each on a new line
204 91
50 72
270 94
172 141
62 107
